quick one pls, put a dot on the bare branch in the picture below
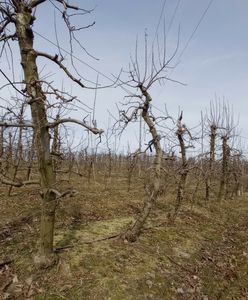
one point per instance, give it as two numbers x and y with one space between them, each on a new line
59 63
17 183
35 3
82 123
67 5
17 125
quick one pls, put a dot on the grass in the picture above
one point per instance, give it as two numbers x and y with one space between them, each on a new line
202 256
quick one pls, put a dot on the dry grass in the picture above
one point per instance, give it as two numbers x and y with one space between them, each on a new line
202 256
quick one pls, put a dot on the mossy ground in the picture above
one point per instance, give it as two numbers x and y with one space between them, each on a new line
203 255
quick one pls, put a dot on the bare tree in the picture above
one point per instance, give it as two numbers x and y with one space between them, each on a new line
213 123
184 168
227 132
142 78
17 19
237 173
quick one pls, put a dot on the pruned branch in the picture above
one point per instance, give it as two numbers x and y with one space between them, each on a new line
17 183
81 123
35 3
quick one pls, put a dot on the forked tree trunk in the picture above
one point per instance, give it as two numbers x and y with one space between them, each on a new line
37 98
154 179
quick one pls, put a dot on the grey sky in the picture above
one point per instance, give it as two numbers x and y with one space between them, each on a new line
215 61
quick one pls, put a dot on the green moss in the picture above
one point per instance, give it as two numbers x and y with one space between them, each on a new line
92 231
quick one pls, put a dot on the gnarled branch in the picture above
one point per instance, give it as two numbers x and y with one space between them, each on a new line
58 61
81 123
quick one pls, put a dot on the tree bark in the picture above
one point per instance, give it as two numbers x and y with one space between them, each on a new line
224 173
184 167
154 179
213 134
37 98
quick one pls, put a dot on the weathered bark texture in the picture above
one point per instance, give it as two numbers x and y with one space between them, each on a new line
132 161
184 170
24 21
154 179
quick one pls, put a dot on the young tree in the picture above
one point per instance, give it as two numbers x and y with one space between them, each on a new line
227 131
213 123
184 168
142 78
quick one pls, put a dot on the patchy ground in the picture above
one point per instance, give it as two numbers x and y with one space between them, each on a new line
204 255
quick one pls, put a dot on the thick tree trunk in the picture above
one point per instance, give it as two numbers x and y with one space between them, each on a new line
24 20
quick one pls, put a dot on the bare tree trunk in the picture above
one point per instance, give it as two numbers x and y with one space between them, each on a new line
9 155
132 161
237 174
239 183
154 180
224 173
24 21
18 16
108 169
31 157
184 167
194 193
213 134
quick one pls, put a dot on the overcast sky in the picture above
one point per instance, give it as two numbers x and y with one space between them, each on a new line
215 61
